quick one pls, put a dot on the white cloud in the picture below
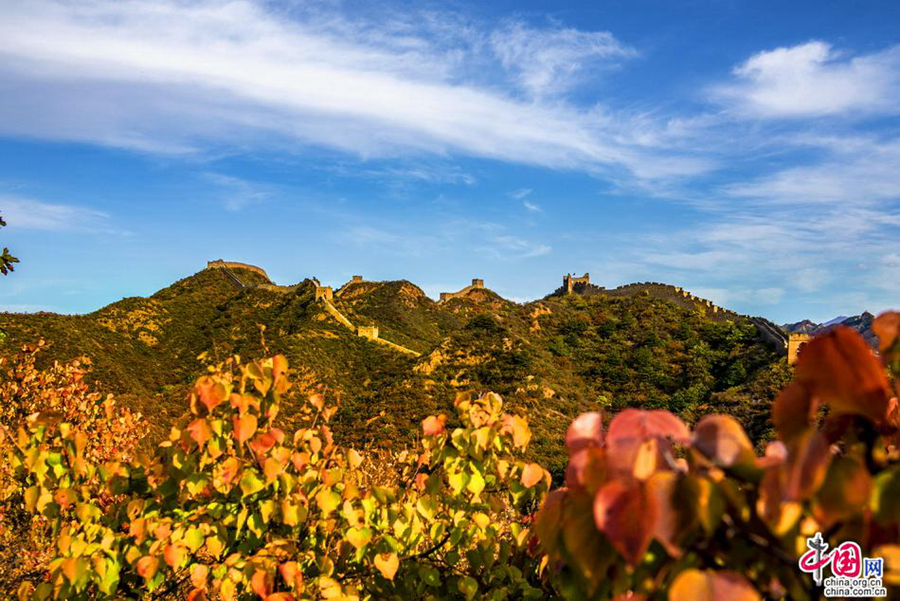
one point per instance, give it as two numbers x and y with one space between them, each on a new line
814 79
520 193
179 77
860 171
26 213
547 62
532 207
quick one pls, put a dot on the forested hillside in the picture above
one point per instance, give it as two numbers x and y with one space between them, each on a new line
551 359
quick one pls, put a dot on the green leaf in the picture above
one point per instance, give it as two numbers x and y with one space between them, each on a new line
468 587
251 482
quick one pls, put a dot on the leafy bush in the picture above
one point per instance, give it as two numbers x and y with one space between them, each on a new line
99 430
651 507
231 507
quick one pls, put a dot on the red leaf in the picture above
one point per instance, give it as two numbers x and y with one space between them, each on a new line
723 440
627 515
841 369
262 444
793 410
587 469
585 431
642 424
807 465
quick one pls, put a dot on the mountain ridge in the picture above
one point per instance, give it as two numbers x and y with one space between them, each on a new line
648 345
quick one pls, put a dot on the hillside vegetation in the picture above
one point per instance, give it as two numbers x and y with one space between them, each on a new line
551 359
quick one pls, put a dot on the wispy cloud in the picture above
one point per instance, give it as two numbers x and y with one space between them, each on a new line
171 76
520 193
27 213
549 61
532 207
814 79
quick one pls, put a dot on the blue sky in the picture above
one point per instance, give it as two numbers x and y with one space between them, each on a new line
747 151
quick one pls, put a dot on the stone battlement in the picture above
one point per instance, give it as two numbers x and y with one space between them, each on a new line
477 284
219 263
324 292
570 281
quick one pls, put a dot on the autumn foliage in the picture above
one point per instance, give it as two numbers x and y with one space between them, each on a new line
232 507
651 506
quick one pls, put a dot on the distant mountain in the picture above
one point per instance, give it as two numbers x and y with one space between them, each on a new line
861 323
837 320
645 345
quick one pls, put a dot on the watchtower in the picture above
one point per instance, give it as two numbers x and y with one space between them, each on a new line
370 332
570 281
324 292
796 342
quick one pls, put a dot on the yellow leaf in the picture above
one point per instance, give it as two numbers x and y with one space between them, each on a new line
387 564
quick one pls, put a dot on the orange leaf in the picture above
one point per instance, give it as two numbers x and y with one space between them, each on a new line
807 464
147 566
199 574
887 328
627 515
387 564
532 474
694 585
518 427
290 573
279 366
434 425
244 427
280 597
261 583
211 393
174 555
841 369
845 491
200 431
669 523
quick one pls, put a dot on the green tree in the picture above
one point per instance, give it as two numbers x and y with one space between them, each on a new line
6 259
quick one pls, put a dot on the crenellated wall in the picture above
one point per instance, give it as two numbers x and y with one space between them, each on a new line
477 284
236 265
